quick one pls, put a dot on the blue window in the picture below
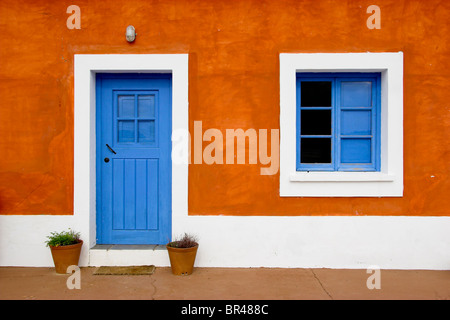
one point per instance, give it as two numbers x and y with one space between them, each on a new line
338 121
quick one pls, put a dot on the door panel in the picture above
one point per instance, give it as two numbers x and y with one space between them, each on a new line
133 159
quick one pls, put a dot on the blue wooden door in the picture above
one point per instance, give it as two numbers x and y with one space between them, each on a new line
133 158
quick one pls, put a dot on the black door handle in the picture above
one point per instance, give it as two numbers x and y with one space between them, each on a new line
110 149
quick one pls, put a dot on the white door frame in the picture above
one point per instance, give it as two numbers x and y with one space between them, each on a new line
85 68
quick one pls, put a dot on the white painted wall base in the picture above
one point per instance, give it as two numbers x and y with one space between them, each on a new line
286 242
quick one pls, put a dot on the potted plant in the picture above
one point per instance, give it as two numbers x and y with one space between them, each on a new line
65 247
182 254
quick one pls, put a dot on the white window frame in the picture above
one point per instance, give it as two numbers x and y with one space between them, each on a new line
386 183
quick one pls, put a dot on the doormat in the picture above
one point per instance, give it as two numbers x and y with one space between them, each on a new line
132 270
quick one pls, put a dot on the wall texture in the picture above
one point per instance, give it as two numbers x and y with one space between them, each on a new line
233 48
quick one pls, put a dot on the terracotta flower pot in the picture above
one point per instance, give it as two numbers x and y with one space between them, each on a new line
65 256
182 259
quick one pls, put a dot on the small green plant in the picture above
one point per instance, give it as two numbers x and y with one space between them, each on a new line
186 241
63 238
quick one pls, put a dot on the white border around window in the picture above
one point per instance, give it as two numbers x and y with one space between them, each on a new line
386 183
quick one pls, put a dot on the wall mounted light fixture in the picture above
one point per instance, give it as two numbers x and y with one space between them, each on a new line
130 34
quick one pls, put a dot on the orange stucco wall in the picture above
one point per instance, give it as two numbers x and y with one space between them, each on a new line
233 51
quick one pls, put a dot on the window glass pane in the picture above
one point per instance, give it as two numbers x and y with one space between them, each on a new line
356 94
126 131
356 122
146 106
315 122
315 93
146 131
315 150
356 150
126 106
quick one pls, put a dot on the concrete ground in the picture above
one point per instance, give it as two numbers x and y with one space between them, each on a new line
227 284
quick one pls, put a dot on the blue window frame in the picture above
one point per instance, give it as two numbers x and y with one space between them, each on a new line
338 121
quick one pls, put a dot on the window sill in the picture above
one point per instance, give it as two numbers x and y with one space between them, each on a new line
340 184
340 177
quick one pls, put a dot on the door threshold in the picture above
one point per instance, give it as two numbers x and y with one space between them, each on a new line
129 247
128 255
